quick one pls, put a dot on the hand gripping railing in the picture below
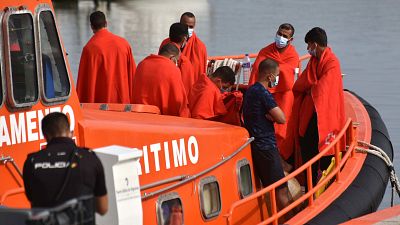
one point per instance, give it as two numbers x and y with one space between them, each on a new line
347 134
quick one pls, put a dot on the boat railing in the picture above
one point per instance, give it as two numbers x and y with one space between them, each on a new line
188 178
347 134
253 55
11 192
297 71
4 161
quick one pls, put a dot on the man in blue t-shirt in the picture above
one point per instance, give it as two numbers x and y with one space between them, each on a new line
260 112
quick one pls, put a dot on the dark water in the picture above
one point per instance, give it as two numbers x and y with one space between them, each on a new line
364 35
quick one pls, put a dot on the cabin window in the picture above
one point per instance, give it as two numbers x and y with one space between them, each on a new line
210 197
54 72
244 178
169 209
21 49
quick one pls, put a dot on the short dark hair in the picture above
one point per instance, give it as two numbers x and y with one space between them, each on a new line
317 35
188 14
287 26
54 124
169 49
267 65
177 32
225 73
98 20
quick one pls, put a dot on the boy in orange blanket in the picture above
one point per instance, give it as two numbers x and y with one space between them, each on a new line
107 67
158 82
195 50
284 53
178 34
205 99
318 110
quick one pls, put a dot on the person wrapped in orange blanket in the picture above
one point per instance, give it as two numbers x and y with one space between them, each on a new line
195 50
318 110
288 59
206 100
178 34
158 82
107 66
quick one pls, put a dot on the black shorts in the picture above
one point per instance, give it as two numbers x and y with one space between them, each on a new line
267 163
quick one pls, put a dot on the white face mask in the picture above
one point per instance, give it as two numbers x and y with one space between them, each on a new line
174 60
274 84
190 31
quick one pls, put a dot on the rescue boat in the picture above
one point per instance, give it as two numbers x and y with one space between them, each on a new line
200 172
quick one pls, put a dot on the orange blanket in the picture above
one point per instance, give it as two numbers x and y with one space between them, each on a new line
187 73
288 60
106 70
233 102
186 67
205 99
196 51
320 88
158 82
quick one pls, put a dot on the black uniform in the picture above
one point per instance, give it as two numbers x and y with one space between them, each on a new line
61 172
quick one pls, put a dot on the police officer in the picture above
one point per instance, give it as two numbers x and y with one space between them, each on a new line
63 171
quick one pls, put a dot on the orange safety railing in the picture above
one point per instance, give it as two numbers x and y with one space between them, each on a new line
253 55
11 192
347 134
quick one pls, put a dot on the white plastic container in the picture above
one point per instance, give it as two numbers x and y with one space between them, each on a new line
246 65
122 180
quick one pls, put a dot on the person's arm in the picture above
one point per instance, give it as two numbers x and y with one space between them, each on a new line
274 113
100 190
277 115
102 204
27 177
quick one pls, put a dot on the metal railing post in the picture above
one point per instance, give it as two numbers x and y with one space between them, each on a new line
274 209
337 159
310 185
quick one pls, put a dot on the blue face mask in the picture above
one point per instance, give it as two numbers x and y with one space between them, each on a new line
312 52
280 41
223 90
190 31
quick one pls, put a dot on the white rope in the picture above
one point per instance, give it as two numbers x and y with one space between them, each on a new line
374 150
